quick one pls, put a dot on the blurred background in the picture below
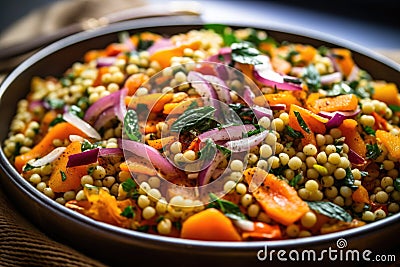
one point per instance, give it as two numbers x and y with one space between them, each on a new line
370 23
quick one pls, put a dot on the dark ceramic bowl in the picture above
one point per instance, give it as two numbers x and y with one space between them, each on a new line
117 246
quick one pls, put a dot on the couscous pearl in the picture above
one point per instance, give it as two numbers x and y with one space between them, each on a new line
295 163
379 214
327 181
164 227
264 122
329 149
345 191
339 173
80 195
393 207
320 139
284 117
367 107
381 197
293 230
331 192
229 186
308 219
274 162
368 216
236 165
322 158
69 195
339 200
253 210
154 182
367 120
41 186
278 124
241 188
388 165
246 200
48 192
310 161
311 185
143 201
87 179
148 212
312 174
289 174
335 133
310 150
265 151
35 178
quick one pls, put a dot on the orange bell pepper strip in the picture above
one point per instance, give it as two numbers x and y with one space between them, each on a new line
209 225
64 179
352 137
276 197
60 131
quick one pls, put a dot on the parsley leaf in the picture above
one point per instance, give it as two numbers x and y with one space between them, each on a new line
293 133
224 150
28 167
312 78
330 209
63 176
144 44
339 89
225 32
245 53
57 120
131 125
128 185
301 122
349 179
369 130
225 206
55 103
397 184
394 108
198 119
373 151
86 145
128 212
296 179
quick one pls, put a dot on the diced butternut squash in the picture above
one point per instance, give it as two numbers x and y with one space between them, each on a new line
386 92
391 142
338 103
352 137
344 60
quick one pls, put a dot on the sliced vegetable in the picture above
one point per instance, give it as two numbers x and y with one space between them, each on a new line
65 178
82 125
361 195
338 103
246 143
352 137
386 92
330 209
278 199
83 158
49 158
343 59
134 81
209 225
60 131
154 102
262 231
391 142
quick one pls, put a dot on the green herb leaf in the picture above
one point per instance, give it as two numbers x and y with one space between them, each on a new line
63 176
397 184
323 50
394 108
177 225
301 122
293 133
363 173
225 206
198 119
83 102
144 44
296 179
245 53
86 145
254 132
131 125
373 151
369 130
224 150
28 167
225 32
330 209
339 89
312 78
55 103
143 228
349 179
129 185
128 212
57 120
76 111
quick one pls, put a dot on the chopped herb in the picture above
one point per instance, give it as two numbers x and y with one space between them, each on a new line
76 111
159 219
91 170
363 173
256 38
373 151
224 150
177 225
301 122
349 179
65 82
198 119
28 167
63 176
245 53
225 32
312 78
253 132
55 103
144 44
208 151
83 102
293 133
225 206
278 171
369 130
292 80
143 228
394 108
296 179
330 209
323 50
128 185
57 120
131 125
397 184
339 89
86 145
128 212
244 112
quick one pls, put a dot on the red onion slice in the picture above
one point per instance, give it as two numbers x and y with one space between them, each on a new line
246 143
220 87
224 56
335 121
104 117
120 107
101 105
278 107
83 158
353 74
106 152
228 133
262 112
355 158
347 114
248 96
162 164
81 125
105 61
274 79
49 158
162 43
331 78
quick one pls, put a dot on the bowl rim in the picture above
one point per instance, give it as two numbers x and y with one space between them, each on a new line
119 232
